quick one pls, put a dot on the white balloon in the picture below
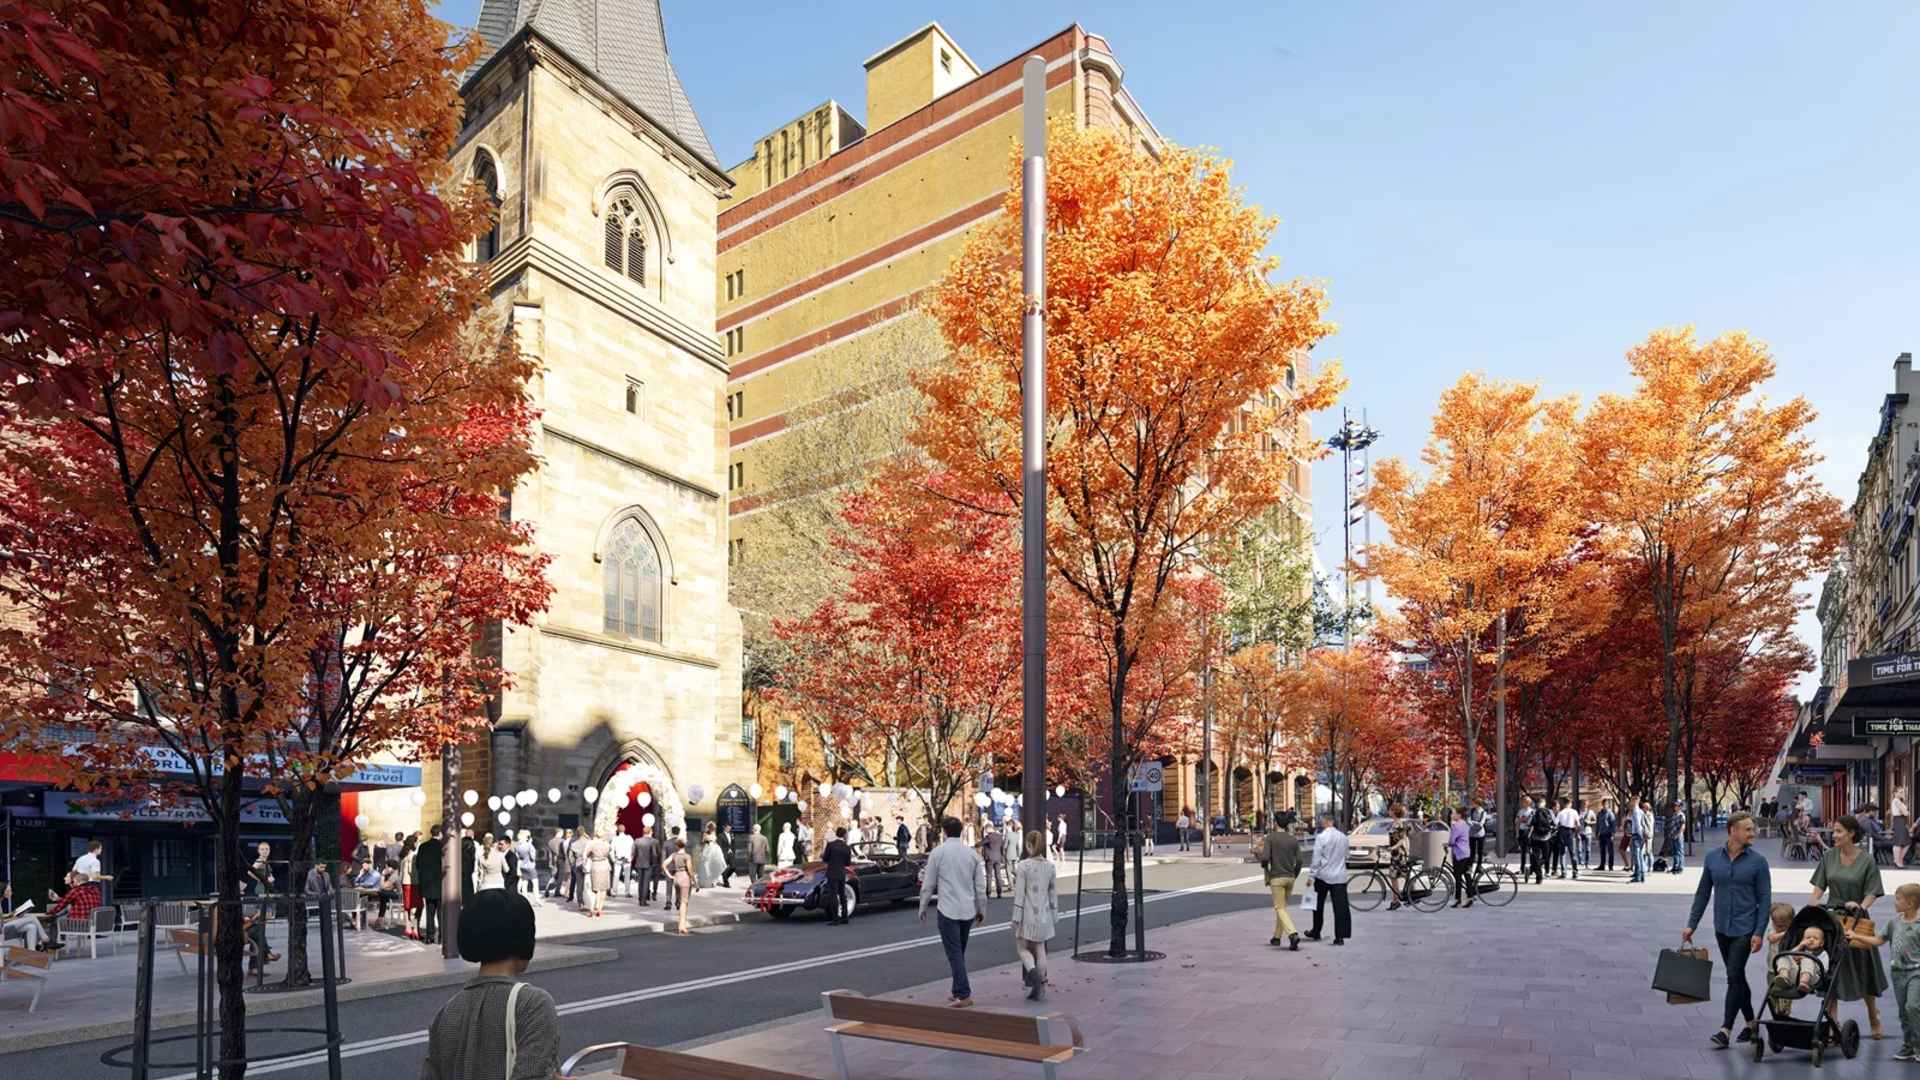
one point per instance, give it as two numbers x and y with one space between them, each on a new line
360 821
591 794
620 803
417 797
553 794
493 802
466 819
803 808
1061 791
754 790
528 798
779 791
846 809
696 793
843 791
981 800
505 817
647 820
470 797
645 799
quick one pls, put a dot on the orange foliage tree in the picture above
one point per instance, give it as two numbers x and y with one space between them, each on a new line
1164 331
1482 540
1347 706
1709 488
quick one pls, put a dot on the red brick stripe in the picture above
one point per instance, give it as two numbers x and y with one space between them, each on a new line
856 176
850 325
897 246
764 426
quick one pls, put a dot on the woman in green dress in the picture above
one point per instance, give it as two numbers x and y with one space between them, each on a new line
1848 877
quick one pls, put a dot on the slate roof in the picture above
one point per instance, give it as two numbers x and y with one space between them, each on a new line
623 42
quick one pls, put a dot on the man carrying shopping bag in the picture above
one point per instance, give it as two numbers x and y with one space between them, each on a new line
1740 883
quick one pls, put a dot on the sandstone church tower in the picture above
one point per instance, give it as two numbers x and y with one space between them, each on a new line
602 266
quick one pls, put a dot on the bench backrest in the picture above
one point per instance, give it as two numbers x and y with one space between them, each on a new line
644 1061
1048 1030
188 940
28 963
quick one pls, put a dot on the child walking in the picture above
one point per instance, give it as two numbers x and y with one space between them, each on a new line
1902 932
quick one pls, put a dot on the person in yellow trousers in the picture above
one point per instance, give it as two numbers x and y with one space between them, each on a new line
1279 852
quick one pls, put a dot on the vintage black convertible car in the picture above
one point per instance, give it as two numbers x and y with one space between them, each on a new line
879 875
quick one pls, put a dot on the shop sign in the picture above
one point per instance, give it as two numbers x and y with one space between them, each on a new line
1893 667
67 804
1889 726
164 759
734 809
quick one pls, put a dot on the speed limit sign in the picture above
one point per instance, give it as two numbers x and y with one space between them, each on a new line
1145 777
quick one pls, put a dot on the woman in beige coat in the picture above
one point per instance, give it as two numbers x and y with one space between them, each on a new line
1036 905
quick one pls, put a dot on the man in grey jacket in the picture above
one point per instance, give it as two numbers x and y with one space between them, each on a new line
758 854
1279 853
646 865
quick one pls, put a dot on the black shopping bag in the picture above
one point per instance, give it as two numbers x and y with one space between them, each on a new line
1686 975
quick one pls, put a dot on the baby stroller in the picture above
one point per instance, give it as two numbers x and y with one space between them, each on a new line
1814 1035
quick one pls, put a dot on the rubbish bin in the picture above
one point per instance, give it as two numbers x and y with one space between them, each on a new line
1430 847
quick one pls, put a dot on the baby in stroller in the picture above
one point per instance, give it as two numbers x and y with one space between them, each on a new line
1809 946
1798 972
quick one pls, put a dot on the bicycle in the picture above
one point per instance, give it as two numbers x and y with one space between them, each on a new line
1424 889
1491 884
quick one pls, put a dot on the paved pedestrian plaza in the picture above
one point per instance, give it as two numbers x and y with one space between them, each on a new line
1552 987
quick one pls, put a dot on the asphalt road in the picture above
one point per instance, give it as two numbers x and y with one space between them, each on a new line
667 990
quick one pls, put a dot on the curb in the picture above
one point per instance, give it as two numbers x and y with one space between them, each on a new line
267 1004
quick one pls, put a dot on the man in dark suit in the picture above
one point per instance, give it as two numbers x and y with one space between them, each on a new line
902 836
646 863
427 868
838 856
724 837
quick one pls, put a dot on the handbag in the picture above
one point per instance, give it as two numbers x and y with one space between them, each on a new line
1686 974
1855 924
513 1043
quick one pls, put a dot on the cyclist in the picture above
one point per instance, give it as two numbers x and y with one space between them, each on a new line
1399 854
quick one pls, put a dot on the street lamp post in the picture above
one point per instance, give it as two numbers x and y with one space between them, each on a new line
1206 750
1353 437
1033 446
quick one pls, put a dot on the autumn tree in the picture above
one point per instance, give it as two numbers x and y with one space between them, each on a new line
1169 420
208 344
1471 541
183 172
1709 487
918 661
1345 705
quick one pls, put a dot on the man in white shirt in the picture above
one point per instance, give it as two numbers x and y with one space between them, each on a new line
955 879
854 836
1566 823
88 865
1183 823
622 846
1330 882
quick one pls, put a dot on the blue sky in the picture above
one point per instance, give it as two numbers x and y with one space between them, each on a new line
1517 189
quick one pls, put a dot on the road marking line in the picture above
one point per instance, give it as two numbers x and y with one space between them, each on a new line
417 1038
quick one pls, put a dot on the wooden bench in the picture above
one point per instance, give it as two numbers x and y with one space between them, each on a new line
1048 1040
30 964
644 1061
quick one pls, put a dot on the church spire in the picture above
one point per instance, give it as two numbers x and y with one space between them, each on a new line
622 42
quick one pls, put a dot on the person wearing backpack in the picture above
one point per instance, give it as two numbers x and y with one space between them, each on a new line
496 1027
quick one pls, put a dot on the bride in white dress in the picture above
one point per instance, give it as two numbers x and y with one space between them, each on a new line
785 853
711 863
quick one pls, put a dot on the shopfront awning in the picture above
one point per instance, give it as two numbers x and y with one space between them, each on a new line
1882 699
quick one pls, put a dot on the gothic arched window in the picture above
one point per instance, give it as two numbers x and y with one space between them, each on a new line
631 582
488 177
626 235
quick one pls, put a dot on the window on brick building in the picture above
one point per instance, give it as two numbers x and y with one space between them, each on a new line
749 730
786 742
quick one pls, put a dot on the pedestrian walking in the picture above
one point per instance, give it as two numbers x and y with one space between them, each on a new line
902 837
1540 834
1460 850
667 848
1902 826
409 892
510 863
993 853
1677 837
1903 933
1060 837
529 861
1278 853
496 1027
1587 821
1523 832
838 855
490 868
758 854
959 878
723 839
622 845
428 865
1036 907
1848 878
679 868
1477 819
1181 824
1605 823
577 860
1567 839
1330 882
1740 884
556 849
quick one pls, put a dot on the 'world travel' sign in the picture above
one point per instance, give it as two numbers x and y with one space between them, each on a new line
66 804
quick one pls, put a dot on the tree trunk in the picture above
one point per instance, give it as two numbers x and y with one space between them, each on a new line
1667 607
303 808
229 937
1472 729
1117 793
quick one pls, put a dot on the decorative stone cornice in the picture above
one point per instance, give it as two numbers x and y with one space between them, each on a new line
654 471
642 648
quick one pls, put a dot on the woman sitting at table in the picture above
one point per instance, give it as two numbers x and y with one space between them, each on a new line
389 885
25 927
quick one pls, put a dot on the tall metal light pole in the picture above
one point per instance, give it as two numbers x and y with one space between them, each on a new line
1351 438
1033 446
1206 749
